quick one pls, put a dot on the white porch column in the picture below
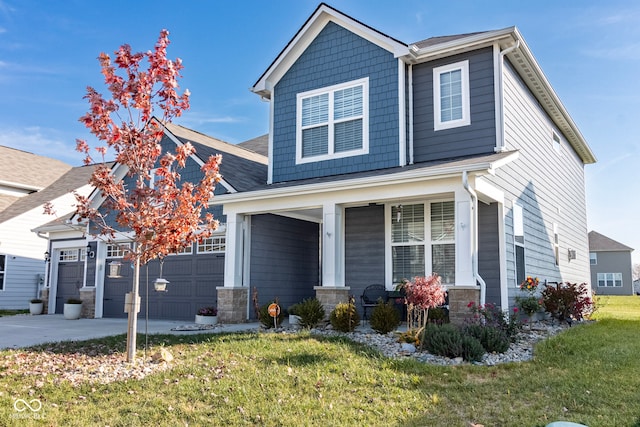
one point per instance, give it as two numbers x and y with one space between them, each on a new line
234 260
332 246
464 239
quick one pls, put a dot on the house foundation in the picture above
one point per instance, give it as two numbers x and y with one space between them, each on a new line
459 299
329 297
232 304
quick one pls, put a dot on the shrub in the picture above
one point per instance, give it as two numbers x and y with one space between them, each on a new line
345 317
266 319
447 340
384 318
74 301
567 301
311 312
493 340
208 311
438 315
294 309
35 301
490 315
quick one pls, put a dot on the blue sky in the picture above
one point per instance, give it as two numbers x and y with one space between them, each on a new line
588 49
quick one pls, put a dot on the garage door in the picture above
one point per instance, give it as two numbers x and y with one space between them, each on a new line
70 276
192 284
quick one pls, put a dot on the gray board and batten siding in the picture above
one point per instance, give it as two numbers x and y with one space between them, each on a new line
364 248
285 259
489 250
477 138
547 180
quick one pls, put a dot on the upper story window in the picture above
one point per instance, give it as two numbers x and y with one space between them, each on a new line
451 96
593 258
556 141
518 241
333 122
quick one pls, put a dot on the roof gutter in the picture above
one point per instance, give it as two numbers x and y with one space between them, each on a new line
474 237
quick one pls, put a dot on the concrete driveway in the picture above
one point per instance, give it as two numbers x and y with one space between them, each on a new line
25 330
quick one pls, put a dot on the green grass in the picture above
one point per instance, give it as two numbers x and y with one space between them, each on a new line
618 307
589 374
12 312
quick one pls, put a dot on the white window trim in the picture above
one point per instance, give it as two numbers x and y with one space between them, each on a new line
123 248
556 243
427 243
4 272
516 207
606 281
593 256
331 154
555 141
438 124
215 236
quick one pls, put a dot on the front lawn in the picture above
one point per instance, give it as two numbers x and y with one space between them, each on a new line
589 374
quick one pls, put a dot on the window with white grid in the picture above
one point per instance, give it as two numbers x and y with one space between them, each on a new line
117 250
68 255
215 244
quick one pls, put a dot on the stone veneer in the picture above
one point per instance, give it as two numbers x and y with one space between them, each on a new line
44 296
459 299
329 297
88 297
232 304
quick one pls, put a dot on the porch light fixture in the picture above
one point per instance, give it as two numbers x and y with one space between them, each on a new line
90 253
114 269
47 256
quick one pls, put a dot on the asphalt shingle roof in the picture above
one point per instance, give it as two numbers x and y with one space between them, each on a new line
243 169
21 167
601 243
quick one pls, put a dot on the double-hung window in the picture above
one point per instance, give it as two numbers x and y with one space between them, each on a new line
418 229
451 96
333 122
609 280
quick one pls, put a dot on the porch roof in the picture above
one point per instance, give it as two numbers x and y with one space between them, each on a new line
479 164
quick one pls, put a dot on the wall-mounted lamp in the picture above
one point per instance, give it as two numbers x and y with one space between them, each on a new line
90 253
47 256
114 269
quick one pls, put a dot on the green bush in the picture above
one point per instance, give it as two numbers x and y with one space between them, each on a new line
345 317
493 339
447 340
311 312
384 317
266 319
438 315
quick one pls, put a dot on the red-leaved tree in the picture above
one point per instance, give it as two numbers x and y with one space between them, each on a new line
421 294
163 214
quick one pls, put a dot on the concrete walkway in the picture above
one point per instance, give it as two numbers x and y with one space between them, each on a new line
24 330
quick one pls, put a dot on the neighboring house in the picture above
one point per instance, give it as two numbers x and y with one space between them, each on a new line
611 266
390 160
83 266
24 178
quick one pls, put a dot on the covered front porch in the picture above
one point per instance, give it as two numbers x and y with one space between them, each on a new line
332 239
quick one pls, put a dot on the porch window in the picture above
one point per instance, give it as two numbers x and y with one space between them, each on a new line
332 122
3 260
411 245
443 241
407 241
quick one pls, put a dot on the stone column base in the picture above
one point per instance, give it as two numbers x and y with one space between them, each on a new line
459 299
329 297
44 296
88 297
232 304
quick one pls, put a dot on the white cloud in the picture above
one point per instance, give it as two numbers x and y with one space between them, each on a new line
620 52
42 142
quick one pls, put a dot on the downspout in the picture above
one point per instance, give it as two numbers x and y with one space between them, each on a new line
500 146
474 237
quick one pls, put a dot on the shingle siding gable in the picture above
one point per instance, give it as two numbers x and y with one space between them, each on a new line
338 56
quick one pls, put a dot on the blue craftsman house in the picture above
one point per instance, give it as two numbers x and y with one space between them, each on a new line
390 160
